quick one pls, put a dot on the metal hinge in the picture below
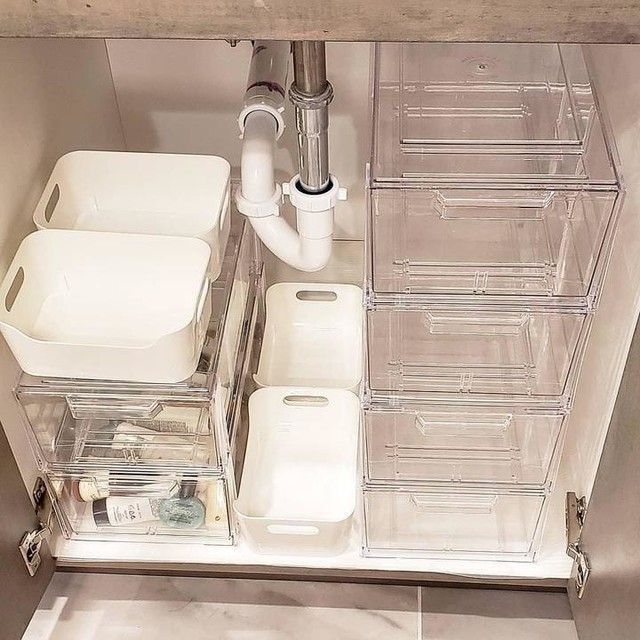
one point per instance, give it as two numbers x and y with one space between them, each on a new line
575 513
31 541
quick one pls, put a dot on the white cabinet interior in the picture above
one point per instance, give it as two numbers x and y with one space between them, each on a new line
182 96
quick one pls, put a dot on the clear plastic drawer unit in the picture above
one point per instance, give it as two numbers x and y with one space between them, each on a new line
449 445
134 506
500 525
464 355
486 112
79 424
542 246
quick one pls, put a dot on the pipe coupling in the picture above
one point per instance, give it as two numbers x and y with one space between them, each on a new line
307 102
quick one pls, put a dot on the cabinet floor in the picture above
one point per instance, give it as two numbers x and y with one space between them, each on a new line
109 607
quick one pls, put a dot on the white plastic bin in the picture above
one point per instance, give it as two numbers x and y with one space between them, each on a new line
110 306
298 491
148 193
313 336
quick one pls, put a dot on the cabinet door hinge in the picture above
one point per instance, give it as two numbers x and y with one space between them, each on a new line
31 541
575 513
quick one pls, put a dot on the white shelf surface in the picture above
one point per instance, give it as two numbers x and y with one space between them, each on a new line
551 561
549 565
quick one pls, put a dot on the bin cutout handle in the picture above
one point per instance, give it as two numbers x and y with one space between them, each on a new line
293 530
14 289
316 295
52 203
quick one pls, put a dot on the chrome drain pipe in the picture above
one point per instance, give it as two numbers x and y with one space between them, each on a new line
311 93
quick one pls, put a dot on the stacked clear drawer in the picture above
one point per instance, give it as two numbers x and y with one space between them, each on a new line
492 208
138 461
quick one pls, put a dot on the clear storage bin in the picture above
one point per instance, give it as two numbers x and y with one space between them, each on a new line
138 507
452 445
83 423
464 525
477 112
474 353
545 245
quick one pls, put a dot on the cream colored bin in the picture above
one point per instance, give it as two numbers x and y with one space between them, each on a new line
148 193
110 306
313 336
298 491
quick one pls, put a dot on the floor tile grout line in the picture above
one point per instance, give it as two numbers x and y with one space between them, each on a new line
419 625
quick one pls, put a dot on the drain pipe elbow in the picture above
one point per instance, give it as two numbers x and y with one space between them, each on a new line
259 197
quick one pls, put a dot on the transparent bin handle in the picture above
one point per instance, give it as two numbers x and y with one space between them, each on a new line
452 199
445 504
113 408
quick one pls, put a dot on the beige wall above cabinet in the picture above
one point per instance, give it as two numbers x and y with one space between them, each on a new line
587 21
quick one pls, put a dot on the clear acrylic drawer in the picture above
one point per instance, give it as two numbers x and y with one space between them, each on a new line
450 445
138 507
82 423
542 244
474 353
464 525
507 112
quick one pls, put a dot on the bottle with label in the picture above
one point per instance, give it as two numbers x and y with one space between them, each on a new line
183 511
90 488
119 511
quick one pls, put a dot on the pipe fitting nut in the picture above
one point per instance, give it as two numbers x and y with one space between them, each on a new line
304 101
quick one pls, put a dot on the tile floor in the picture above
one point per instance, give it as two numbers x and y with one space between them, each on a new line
110 607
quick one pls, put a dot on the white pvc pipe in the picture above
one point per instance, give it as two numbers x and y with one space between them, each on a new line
257 170
258 185
305 254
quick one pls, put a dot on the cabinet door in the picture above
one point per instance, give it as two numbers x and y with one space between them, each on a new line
20 593
610 604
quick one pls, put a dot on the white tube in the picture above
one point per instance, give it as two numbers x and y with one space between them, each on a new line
309 249
258 186
305 254
257 171
267 81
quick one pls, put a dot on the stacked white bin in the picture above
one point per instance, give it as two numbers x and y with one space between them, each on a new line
492 207
140 461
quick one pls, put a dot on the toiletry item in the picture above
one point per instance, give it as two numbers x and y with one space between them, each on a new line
182 513
118 511
185 511
90 488
142 443
100 485
173 420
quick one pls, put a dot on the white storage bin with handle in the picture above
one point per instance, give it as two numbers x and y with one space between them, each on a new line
298 491
112 306
313 336
148 193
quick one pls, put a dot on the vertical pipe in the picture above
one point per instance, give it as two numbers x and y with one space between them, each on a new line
311 94
309 67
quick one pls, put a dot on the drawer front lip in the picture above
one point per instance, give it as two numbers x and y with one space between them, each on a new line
376 544
453 446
